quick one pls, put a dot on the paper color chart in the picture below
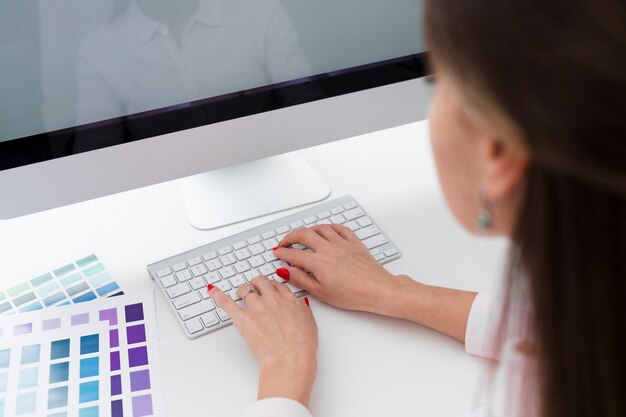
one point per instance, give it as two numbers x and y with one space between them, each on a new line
129 384
76 282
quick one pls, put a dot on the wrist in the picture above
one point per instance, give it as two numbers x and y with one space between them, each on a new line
399 295
287 376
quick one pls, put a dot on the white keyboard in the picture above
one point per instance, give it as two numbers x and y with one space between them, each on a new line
236 260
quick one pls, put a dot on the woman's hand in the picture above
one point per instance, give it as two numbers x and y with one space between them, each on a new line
345 274
281 333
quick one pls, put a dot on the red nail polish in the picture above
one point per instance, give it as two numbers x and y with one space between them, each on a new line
275 248
283 273
210 287
306 300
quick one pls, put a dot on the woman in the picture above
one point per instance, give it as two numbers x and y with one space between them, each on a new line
529 137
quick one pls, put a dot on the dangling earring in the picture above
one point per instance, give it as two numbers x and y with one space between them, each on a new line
484 220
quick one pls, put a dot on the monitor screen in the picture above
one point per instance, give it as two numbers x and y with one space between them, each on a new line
77 76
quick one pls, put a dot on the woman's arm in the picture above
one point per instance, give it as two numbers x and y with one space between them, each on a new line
345 275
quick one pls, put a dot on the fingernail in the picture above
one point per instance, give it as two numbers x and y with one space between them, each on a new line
275 248
283 273
306 300
210 287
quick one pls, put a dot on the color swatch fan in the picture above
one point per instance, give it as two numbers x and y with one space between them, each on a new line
95 359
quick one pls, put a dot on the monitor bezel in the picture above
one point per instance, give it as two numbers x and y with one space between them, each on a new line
141 126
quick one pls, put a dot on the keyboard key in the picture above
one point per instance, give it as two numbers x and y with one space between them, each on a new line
257 249
186 300
178 290
324 215
296 225
213 265
379 257
194 326
270 244
337 210
256 261
242 254
227 272
375 252
239 245
267 269
353 225
213 277
365 221
325 221
338 219
233 295
269 256
209 320
225 250
310 220
197 309
228 259
237 281
369 231
223 285
250 275
164 272
375 241
168 281
354 213
209 256
268 235
184 275
199 270
195 261
253 240
350 205
179 267
391 252
197 283
205 294
293 288
279 264
223 316
242 267
283 230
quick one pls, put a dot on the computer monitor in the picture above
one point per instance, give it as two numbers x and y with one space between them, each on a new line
102 97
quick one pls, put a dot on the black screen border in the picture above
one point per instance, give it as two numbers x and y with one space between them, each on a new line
71 141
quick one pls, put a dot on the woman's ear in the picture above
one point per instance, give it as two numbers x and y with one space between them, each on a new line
505 165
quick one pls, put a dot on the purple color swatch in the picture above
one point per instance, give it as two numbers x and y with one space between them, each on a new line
23 329
136 334
134 312
139 380
114 338
51 324
137 356
117 409
80 319
142 405
110 315
115 361
116 384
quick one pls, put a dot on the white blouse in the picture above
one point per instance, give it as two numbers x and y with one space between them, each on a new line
510 392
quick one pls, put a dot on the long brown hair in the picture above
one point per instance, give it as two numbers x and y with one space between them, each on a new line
558 70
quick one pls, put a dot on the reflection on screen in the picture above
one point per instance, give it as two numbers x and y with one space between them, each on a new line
69 62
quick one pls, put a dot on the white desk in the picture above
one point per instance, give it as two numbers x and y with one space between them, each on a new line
369 365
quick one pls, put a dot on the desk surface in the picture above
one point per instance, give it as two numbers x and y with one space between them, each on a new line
368 365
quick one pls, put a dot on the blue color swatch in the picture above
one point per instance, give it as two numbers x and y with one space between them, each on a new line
57 397
89 367
26 403
60 349
30 354
59 372
88 412
88 391
5 357
89 344
28 378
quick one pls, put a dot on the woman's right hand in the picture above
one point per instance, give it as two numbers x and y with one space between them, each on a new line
345 274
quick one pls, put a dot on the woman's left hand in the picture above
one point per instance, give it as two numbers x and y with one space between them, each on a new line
281 333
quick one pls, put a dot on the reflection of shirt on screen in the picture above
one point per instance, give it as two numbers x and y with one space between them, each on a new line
134 64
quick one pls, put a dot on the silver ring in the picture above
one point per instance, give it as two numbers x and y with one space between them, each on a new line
250 291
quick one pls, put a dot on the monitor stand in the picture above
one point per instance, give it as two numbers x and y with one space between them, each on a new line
246 191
